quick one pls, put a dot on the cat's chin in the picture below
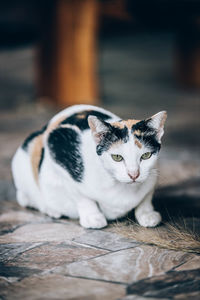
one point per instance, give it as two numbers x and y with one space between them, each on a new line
137 181
134 182
128 181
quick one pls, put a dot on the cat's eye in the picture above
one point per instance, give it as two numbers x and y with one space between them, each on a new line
117 157
146 155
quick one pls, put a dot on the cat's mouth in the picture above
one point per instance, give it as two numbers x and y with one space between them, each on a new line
133 182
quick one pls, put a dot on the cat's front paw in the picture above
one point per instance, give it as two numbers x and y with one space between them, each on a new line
149 219
93 221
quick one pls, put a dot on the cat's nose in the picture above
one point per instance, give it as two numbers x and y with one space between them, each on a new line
134 175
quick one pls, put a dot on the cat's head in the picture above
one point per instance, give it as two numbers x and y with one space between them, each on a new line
128 149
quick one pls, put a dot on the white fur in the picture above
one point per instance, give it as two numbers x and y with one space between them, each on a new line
106 192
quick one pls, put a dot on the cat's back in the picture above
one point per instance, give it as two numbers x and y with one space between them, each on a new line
74 117
77 115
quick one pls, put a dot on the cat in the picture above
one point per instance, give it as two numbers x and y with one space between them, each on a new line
87 163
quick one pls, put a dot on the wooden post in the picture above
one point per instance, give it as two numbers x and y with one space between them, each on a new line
67 56
187 60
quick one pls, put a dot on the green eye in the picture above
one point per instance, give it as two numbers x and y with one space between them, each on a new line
146 155
117 157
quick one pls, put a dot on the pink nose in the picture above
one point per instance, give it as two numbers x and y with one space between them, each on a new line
134 175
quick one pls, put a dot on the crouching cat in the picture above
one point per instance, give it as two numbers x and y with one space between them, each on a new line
89 164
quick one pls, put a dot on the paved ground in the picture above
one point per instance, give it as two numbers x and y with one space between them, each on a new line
42 258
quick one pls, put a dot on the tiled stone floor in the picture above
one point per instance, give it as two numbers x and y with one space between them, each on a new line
42 258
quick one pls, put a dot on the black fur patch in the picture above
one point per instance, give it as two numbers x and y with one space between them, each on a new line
80 119
149 135
111 136
41 159
64 145
31 137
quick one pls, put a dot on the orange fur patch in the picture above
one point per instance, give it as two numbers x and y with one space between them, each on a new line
118 124
128 123
55 124
37 145
35 155
138 144
83 115
138 132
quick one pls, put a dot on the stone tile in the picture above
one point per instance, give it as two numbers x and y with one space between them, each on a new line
191 264
3 284
170 285
186 296
11 220
6 227
61 287
23 216
128 265
106 240
14 273
10 251
50 232
6 206
50 255
136 297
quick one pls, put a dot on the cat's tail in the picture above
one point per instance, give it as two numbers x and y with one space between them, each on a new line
172 235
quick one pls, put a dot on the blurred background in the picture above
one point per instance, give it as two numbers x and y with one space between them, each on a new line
133 57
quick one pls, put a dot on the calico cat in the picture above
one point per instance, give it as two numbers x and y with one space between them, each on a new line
89 164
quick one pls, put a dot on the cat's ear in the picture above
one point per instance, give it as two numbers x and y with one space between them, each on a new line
157 121
98 127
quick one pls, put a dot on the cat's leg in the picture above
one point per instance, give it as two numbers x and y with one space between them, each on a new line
89 214
57 198
22 198
50 199
145 213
